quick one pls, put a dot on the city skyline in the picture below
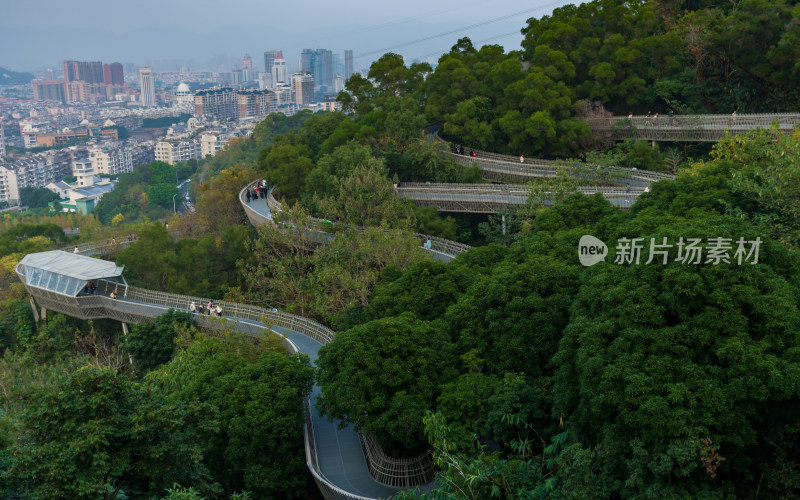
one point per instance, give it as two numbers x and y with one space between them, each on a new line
419 32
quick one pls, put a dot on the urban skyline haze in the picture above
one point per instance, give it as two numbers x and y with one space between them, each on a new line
205 34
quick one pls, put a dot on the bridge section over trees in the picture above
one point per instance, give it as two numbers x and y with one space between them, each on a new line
687 128
337 458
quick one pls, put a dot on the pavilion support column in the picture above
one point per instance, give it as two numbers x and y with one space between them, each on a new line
35 311
125 333
44 314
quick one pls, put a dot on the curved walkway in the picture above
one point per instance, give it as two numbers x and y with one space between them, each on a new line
334 456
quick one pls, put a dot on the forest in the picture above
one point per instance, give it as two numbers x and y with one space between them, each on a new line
524 373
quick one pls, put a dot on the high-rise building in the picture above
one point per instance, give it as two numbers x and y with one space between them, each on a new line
50 74
320 64
269 61
305 60
247 68
348 64
303 87
2 141
89 72
48 90
112 74
280 72
218 102
146 87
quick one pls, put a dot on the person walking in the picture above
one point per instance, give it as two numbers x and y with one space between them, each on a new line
75 251
218 310
428 244
627 191
112 295
521 159
192 307
247 195
210 307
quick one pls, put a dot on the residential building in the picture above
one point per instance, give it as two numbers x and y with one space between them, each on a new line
89 72
303 87
218 102
146 87
176 150
33 171
113 74
212 142
85 193
111 159
2 141
252 103
265 81
48 90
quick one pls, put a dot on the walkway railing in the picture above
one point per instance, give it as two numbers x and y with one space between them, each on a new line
383 468
499 167
490 198
709 128
135 304
440 246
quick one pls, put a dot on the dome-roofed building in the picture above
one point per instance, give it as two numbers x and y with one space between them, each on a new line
183 94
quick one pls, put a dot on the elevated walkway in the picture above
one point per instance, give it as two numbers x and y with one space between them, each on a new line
687 128
335 457
491 198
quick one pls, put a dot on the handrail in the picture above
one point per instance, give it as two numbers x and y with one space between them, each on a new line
511 166
383 468
439 246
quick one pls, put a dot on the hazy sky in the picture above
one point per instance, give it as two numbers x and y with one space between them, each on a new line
39 33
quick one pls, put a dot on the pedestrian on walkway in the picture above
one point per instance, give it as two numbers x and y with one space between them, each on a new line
75 251
210 307
192 307
627 191
218 310
428 244
247 195
521 159
113 295
473 154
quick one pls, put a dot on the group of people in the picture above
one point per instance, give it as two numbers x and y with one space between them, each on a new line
459 150
426 243
259 190
209 309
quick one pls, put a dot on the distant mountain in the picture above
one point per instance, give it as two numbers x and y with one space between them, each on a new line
8 77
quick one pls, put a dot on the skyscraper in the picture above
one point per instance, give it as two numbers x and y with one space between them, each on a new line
348 64
269 62
247 68
280 72
146 87
305 60
303 86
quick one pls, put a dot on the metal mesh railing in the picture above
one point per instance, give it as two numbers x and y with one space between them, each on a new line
397 471
688 127
501 166
441 246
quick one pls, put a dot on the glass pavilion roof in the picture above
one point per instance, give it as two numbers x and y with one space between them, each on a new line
67 273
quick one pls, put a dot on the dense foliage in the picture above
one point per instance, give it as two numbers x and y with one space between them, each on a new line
624 380
147 193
